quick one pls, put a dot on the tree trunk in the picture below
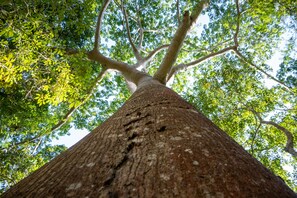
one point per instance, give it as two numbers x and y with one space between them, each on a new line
156 145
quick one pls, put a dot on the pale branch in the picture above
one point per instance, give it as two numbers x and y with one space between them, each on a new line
69 113
150 56
141 32
131 74
140 38
197 10
153 31
290 138
99 22
223 43
245 59
177 11
177 41
198 61
134 49
37 146
241 56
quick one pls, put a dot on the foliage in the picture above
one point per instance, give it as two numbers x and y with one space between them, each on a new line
288 72
45 75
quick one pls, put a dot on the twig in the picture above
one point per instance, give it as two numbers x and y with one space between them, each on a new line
67 116
261 70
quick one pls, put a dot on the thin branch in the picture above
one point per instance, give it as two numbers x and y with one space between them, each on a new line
237 24
177 42
223 43
245 59
177 11
199 61
141 32
290 138
154 31
37 146
134 49
261 70
143 62
140 37
99 22
254 137
89 94
67 116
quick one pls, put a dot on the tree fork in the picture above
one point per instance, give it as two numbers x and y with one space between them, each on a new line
156 145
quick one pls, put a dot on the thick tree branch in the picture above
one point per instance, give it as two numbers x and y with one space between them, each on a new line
131 74
241 56
200 60
212 55
290 139
99 22
134 49
177 41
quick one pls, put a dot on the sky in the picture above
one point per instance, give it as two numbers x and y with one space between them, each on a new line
74 137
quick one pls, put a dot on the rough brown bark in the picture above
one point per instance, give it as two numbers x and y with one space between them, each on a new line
156 145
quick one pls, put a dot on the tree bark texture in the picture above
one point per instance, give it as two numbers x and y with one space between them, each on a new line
156 145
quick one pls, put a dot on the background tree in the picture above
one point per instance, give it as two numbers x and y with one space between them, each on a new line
47 80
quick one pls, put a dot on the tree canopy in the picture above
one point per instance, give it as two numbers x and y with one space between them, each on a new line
49 81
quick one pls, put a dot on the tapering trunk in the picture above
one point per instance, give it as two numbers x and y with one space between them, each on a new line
156 145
